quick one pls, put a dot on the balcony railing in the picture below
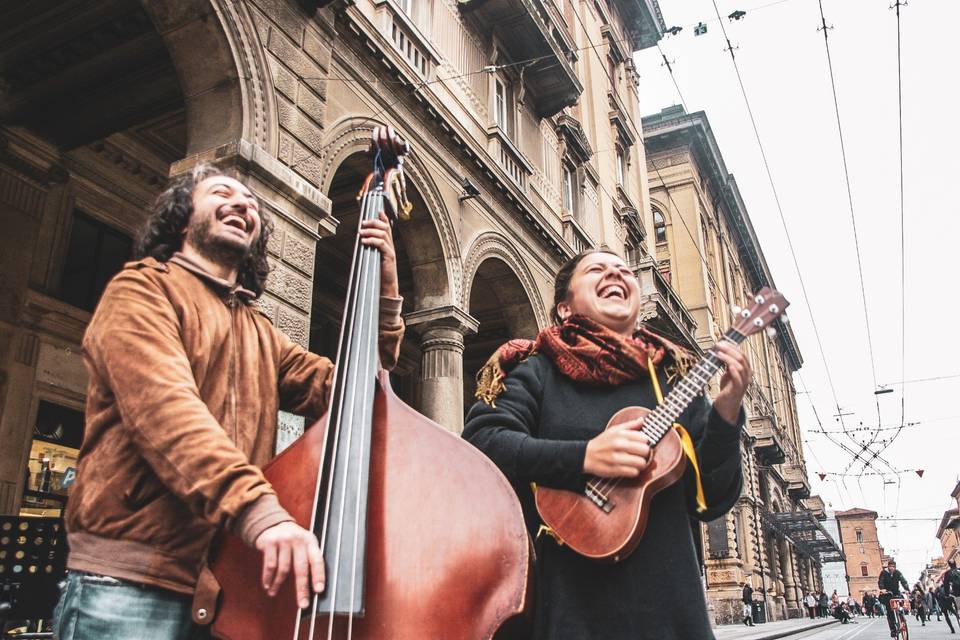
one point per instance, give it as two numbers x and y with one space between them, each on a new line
575 236
533 29
798 486
508 157
662 303
768 443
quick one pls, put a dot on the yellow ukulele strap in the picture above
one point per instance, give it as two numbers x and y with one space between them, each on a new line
685 440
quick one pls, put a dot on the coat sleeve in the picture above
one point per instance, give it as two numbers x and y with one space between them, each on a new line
717 444
134 344
507 434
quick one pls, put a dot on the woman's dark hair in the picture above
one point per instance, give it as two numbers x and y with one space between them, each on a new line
162 236
561 284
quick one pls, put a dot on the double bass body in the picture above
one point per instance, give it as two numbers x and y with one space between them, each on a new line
446 555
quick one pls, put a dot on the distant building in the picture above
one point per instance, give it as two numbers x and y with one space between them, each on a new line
930 576
834 573
861 546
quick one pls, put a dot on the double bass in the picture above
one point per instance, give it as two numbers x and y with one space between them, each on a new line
422 536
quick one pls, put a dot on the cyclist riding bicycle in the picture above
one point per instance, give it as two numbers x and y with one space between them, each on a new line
889 583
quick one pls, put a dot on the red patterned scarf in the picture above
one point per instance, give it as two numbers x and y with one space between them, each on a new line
584 351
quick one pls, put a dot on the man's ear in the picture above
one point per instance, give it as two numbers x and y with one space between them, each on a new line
563 310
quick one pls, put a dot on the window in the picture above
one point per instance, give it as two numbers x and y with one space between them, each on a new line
863 569
95 252
621 164
659 227
501 105
859 536
612 72
568 188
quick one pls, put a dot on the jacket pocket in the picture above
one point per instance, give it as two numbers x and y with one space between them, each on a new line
144 489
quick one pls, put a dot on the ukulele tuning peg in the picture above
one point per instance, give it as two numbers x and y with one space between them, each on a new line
735 309
771 332
784 319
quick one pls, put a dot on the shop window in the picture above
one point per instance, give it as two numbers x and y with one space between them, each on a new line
95 253
52 465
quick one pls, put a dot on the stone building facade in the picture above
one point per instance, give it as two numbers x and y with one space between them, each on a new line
861 545
948 533
706 248
534 105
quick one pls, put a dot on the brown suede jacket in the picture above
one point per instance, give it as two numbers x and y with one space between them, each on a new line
186 379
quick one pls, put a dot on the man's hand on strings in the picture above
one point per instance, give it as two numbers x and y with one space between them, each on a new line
285 546
378 234
733 382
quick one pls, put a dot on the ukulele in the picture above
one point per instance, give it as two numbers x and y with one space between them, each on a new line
607 519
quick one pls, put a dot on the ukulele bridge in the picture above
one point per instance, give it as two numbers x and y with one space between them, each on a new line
598 498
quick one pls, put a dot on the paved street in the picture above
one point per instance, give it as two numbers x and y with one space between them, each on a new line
859 629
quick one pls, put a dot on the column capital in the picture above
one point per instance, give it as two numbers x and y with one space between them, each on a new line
448 317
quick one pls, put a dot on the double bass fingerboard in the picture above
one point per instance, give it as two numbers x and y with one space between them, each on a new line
341 515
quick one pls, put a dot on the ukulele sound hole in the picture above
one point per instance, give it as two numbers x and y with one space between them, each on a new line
599 498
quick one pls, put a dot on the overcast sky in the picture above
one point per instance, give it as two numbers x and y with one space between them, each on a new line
783 64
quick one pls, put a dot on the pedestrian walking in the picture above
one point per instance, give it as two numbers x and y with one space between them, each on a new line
811 603
747 599
945 604
823 604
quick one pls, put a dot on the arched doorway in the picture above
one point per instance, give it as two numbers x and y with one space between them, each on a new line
91 117
420 264
499 302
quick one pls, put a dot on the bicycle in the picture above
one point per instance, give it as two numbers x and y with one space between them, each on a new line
896 604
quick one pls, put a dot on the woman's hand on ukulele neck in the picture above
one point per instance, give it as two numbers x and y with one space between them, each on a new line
733 382
621 451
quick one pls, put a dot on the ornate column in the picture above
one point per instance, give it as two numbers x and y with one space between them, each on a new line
441 331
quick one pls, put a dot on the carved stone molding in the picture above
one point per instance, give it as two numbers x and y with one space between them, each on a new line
494 244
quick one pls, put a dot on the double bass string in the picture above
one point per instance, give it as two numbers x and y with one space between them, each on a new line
334 421
359 309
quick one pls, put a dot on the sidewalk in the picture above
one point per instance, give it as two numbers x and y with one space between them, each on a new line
770 630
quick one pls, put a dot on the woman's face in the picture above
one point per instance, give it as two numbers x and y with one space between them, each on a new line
604 289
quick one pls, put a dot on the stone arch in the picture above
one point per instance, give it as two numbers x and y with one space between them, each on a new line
223 72
494 244
351 136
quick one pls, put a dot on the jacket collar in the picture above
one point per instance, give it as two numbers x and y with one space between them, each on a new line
226 288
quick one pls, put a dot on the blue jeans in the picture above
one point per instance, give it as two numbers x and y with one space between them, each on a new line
94 607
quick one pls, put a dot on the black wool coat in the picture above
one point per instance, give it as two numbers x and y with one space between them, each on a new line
538 432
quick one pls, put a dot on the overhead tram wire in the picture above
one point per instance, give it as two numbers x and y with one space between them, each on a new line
903 305
783 220
853 218
854 455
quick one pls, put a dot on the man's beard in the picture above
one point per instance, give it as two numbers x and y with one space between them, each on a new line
219 250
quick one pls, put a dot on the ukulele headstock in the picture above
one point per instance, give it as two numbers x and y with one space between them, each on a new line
768 305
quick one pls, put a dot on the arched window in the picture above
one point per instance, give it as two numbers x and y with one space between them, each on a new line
659 226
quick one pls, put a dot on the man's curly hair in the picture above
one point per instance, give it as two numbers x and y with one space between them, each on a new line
162 236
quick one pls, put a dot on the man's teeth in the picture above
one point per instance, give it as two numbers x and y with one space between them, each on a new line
235 221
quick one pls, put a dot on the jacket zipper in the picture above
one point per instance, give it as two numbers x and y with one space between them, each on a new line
233 371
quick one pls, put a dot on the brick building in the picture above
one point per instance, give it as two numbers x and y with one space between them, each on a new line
861 545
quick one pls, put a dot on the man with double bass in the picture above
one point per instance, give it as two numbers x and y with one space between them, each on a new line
185 381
